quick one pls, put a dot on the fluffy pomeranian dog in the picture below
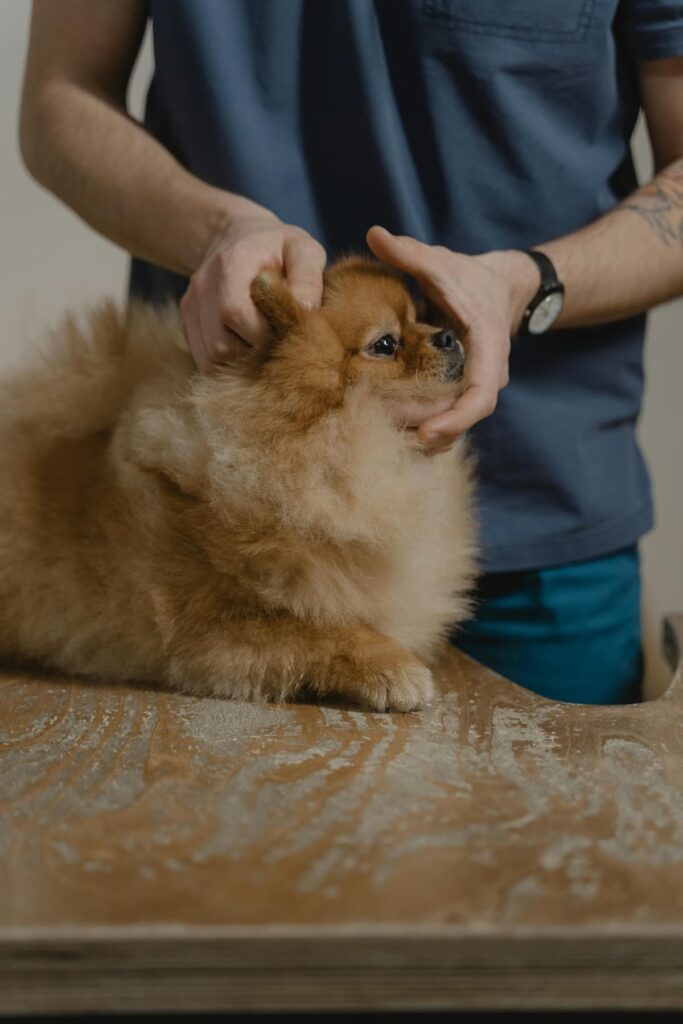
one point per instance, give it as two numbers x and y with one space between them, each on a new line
266 533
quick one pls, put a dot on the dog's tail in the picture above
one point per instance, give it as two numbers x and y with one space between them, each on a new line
89 366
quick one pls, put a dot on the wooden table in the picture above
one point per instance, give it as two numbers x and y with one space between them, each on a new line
498 850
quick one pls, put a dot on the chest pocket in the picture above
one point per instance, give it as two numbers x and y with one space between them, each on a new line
551 21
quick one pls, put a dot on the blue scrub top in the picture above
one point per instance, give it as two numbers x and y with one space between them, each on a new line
475 124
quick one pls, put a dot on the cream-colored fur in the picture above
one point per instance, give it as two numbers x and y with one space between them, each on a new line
265 533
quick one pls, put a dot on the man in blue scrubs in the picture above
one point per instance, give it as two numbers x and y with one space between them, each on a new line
478 134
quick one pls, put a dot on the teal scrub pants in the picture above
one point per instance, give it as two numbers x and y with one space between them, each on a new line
571 632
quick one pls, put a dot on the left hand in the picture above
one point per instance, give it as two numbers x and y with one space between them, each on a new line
486 296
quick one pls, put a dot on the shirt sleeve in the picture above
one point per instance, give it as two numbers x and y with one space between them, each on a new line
651 29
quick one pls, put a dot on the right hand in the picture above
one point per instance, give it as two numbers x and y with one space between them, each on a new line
217 314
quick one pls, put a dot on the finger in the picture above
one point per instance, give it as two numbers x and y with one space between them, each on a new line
232 308
399 251
221 344
482 379
438 449
189 318
438 446
227 348
304 261
414 414
474 405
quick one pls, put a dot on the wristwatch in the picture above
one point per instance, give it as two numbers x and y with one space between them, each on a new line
546 305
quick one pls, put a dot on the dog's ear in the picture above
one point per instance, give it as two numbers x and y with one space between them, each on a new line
273 299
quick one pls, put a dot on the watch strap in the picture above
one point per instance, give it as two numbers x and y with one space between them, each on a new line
549 278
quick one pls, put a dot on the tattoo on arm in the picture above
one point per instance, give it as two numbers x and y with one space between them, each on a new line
660 204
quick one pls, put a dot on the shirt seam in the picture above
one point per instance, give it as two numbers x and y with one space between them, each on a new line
661 42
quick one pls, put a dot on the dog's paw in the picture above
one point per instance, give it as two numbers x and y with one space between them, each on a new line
373 672
408 688
401 684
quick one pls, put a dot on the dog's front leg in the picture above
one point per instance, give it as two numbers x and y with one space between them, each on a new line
282 658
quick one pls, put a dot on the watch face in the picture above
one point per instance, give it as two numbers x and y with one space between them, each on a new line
546 313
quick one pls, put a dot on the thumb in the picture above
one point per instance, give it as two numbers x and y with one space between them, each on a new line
398 251
304 261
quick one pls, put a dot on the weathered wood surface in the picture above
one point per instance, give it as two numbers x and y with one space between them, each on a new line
496 850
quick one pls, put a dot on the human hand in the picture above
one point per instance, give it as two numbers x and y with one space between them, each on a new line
486 296
217 314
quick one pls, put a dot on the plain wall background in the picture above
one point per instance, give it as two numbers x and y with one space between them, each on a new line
49 259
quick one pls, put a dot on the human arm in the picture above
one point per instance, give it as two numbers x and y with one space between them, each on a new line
78 141
620 265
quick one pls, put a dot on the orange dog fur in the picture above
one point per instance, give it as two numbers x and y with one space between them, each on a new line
266 533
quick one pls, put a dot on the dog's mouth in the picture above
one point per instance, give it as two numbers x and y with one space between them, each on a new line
455 372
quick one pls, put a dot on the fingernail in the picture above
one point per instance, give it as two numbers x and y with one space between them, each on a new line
431 438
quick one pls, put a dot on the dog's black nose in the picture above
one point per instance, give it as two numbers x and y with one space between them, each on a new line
444 339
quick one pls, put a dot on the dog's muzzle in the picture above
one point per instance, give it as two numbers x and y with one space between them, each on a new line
451 347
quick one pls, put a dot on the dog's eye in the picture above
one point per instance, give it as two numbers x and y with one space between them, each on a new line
384 346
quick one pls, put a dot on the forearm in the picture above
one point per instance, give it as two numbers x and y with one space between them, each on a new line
119 179
626 262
